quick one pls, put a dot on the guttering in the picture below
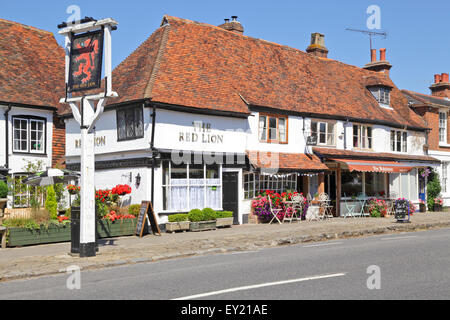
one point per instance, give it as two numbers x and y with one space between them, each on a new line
28 106
335 117
8 109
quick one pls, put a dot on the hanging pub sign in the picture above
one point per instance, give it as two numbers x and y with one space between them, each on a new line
86 54
311 141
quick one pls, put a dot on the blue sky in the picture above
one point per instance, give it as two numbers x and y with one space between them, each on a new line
418 44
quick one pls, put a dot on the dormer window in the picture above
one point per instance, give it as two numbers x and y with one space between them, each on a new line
382 95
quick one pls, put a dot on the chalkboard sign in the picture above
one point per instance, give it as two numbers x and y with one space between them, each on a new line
142 219
401 210
145 213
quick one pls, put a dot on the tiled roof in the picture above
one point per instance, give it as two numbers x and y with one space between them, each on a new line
186 63
337 153
31 66
285 161
424 99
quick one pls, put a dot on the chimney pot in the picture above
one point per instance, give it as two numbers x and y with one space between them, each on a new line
383 54
234 18
373 57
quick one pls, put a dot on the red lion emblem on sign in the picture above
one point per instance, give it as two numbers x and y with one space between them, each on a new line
86 58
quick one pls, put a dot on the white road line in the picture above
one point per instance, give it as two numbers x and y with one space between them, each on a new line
322 244
269 284
399 238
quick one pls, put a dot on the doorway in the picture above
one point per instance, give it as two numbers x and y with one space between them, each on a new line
230 199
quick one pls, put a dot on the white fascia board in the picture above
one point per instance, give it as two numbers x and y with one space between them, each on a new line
85 27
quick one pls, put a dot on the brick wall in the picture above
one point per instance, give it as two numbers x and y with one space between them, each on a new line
431 116
58 142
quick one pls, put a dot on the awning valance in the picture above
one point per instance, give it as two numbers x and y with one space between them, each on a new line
376 166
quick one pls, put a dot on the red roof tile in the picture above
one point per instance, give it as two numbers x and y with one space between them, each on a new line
31 66
285 161
193 64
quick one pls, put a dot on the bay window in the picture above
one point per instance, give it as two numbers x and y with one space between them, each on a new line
29 135
273 129
362 137
187 187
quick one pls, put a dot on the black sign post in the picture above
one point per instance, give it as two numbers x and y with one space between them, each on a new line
401 210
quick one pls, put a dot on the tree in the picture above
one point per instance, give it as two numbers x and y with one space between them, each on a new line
51 205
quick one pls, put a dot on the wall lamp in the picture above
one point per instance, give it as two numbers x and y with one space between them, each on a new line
138 180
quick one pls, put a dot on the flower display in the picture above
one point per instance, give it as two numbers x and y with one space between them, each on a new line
61 219
113 216
121 190
377 208
424 173
439 201
261 205
72 189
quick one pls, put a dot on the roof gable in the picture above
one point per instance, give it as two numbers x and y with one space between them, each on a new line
31 66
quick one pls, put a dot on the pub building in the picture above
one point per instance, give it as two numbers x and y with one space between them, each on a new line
209 117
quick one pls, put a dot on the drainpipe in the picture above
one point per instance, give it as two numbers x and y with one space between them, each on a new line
152 147
7 135
345 135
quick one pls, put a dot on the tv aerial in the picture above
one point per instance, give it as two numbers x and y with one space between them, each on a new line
370 33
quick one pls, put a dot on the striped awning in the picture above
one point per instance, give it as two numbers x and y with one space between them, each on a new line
376 166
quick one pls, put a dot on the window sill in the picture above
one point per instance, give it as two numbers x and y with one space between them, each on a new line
444 145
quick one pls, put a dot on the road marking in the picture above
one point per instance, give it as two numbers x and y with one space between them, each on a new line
322 244
399 238
269 284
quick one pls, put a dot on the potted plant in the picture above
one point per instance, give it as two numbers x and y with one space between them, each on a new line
423 206
202 220
224 219
438 203
178 222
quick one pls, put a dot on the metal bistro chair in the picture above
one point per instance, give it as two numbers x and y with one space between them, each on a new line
350 208
299 202
362 199
325 206
274 211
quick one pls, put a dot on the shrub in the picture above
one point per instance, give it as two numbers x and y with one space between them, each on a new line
178 218
196 215
3 189
102 210
433 189
224 214
209 214
134 209
50 203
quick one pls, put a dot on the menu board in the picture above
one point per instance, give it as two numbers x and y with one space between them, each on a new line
145 213
401 210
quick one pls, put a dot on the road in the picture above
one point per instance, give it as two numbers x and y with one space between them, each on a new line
410 265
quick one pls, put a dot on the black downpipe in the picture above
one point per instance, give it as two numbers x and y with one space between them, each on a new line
152 147
7 136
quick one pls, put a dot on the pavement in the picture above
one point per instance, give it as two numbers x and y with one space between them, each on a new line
44 260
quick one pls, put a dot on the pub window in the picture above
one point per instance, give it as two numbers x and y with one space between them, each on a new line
28 135
273 129
399 141
255 183
362 137
130 123
324 132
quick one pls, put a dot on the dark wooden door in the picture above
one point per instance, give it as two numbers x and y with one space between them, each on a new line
231 194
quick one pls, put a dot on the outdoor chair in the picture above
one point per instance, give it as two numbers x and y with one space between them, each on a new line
274 211
325 207
350 209
362 199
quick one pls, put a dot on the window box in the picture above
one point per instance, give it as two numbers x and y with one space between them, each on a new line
202 226
177 226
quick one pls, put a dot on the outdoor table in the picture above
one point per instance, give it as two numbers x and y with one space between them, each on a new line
294 205
313 212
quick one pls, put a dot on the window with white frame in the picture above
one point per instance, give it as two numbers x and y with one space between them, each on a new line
187 187
255 183
443 127
362 137
324 132
444 177
399 141
28 135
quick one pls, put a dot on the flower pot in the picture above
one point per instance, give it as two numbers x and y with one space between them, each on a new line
177 226
224 222
437 208
423 208
202 226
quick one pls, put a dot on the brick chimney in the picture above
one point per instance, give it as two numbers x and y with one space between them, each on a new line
382 65
317 47
441 86
233 25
